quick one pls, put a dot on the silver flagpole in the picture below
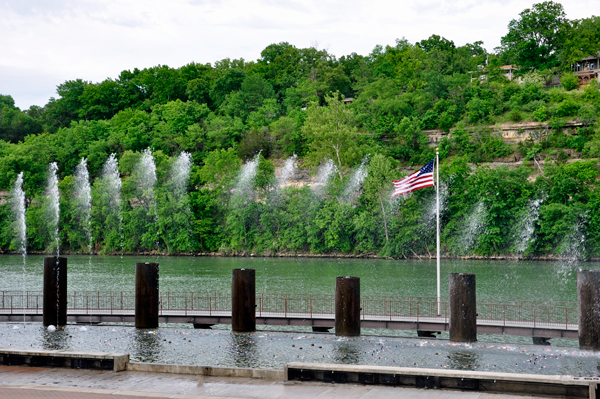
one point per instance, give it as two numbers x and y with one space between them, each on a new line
437 201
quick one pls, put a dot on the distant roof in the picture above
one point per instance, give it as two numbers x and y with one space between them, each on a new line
509 67
591 57
348 99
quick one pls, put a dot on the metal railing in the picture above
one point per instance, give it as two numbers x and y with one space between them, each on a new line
373 307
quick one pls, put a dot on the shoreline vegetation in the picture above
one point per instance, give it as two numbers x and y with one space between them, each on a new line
549 258
294 153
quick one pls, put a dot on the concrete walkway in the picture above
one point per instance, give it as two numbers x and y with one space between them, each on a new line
31 382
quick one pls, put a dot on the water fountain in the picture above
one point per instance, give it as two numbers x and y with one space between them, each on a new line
179 203
246 178
352 189
20 227
572 246
83 198
18 208
288 170
53 210
473 227
111 196
180 174
324 174
145 174
525 226
431 209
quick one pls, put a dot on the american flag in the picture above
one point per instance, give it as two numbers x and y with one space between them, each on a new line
420 179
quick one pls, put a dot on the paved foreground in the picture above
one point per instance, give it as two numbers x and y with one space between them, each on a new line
32 382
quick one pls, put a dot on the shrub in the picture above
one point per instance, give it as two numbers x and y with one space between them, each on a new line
567 108
569 81
533 105
478 109
515 115
540 114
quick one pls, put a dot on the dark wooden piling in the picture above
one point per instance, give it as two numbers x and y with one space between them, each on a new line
55 291
243 300
588 302
146 295
347 306
463 307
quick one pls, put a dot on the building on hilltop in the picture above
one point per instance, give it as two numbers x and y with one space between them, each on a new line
509 71
587 69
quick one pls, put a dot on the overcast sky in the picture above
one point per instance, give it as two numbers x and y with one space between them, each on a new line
45 42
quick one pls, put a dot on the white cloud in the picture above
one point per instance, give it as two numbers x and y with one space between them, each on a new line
45 42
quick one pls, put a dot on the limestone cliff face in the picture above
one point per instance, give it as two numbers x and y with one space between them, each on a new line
4 197
510 132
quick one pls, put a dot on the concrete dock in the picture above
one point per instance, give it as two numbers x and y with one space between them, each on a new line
48 383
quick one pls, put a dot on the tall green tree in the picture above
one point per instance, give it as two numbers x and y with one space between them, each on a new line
535 39
331 133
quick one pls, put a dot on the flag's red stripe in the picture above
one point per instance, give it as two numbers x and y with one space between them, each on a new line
412 183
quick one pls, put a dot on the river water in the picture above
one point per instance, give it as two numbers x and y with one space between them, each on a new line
272 349
534 280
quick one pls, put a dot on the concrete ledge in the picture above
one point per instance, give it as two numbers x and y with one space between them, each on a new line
264 374
53 358
528 384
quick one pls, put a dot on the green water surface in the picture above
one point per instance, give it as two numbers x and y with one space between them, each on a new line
535 280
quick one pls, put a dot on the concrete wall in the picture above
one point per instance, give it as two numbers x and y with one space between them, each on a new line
264 374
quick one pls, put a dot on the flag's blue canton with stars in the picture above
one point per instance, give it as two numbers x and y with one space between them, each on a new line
420 179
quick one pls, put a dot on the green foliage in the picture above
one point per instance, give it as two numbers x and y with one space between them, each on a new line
540 114
569 81
330 133
293 101
534 39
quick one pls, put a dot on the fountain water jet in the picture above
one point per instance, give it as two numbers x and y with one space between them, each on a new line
246 177
180 174
18 208
53 210
111 185
352 190
145 172
324 174
288 170
83 196
473 227
20 226
572 245
180 204
526 225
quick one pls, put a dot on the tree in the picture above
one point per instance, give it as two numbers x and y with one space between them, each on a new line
583 40
378 184
569 81
251 96
7 101
231 81
534 40
331 133
15 125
